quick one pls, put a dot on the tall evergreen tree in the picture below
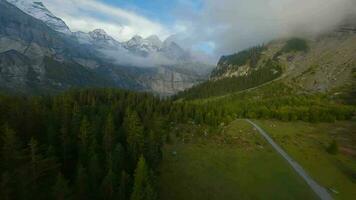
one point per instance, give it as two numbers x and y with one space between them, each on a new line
124 186
142 188
109 185
11 151
85 134
6 186
60 190
109 134
82 184
135 135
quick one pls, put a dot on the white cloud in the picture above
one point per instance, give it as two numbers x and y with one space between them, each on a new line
233 25
225 26
86 15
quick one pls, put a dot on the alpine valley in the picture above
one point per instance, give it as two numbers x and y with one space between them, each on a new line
88 115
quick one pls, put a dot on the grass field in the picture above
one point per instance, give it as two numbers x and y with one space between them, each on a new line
307 144
234 164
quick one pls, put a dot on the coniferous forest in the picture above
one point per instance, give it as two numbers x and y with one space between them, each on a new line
87 144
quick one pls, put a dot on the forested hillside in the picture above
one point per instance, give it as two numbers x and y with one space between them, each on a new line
270 71
88 144
279 101
322 65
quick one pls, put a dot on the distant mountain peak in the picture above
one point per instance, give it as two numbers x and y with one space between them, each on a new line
100 34
137 38
154 39
99 31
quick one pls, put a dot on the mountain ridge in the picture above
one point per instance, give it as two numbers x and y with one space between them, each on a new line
97 50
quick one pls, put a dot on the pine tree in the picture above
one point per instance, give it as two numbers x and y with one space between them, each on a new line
124 186
60 190
95 174
35 160
84 138
109 134
142 189
109 185
153 151
118 158
11 150
135 136
82 184
6 189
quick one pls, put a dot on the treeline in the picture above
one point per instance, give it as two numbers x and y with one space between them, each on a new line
278 101
268 72
88 144
249 56
293 45
279 109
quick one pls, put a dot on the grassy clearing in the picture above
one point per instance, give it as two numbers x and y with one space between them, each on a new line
307 143
234 164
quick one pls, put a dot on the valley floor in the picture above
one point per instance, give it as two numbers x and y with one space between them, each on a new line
237 162
307 144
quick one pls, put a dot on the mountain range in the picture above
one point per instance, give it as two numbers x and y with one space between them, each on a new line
39 53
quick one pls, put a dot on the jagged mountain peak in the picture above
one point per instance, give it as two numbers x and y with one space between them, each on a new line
136 39
154 39
39 4
99 31
100 34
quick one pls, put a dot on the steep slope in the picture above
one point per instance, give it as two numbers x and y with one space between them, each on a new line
16 71
322 64
39 11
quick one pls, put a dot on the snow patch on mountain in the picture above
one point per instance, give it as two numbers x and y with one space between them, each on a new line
39 11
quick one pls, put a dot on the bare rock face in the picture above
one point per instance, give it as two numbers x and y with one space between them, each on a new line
327 66
167 81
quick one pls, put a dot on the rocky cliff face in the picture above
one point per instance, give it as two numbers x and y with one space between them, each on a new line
35 58
168 81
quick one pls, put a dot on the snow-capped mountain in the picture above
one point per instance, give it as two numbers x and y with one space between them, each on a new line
153 45
143 47
98 38
39 11
92 58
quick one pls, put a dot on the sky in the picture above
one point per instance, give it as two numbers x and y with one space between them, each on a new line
210 27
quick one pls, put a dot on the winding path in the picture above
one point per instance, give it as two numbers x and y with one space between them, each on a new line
318 189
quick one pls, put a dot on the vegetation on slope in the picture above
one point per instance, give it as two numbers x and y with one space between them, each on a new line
293 45
73 74
270 71
250 56
279 101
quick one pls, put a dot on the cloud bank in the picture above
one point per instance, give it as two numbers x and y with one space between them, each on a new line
232 25
87 15
210 28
